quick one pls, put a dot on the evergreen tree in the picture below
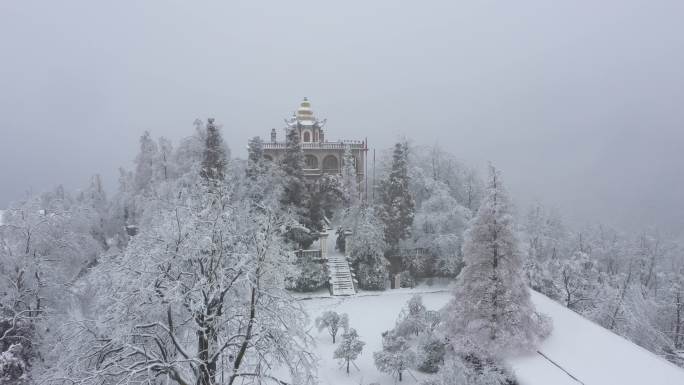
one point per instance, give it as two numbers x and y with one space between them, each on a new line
165 153
214 158
255 158
316 212
145 163
397 204
350 348
295 194
491 309
331 194
350 185
294 191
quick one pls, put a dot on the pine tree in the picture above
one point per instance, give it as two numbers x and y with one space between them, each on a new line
145 163
215 158
165 153
295 194
491 309
350 183
397 204
255 158
350 348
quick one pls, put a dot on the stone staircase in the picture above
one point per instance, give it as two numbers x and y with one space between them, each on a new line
341 278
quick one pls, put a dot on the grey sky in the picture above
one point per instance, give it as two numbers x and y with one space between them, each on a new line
580 103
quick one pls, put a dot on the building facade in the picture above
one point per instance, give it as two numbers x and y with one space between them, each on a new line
321 156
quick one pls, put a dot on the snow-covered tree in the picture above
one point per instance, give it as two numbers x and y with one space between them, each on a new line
146 163
396 202
466 371
332 322
579 281
350 184
547 243
295 196
491 308
166 167
294 192
331 195
431 352
396 355
413 318
215 155
438 228
432 164
197 297
308 274
255 157
46 242
350 348
366 249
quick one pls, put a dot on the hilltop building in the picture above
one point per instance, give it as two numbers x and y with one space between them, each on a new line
320 155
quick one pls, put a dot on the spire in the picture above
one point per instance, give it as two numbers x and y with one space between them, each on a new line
304 113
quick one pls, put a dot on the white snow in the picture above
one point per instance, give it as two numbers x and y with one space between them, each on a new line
587 351
592 354
341 279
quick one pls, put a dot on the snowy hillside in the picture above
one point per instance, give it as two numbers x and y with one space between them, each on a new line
577 347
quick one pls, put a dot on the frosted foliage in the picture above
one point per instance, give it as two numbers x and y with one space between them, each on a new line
366 248
145 162
439 225
397 207
349 349
413 318
434 164
333 323
396 355
491 308
46 243
14 368
546 242
350 186
456 372
197 295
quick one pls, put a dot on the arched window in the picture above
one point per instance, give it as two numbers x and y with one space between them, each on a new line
330 164
307 136
310 161
268 158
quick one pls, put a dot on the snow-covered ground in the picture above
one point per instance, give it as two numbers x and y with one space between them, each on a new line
586 351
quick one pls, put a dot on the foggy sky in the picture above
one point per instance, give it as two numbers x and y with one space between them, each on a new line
580 103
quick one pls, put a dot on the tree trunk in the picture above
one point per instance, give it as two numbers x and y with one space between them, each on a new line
678 325
347 366
248 337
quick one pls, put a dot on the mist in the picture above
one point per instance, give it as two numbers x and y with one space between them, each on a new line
578 103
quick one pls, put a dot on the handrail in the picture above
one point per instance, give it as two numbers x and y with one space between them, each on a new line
355 145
